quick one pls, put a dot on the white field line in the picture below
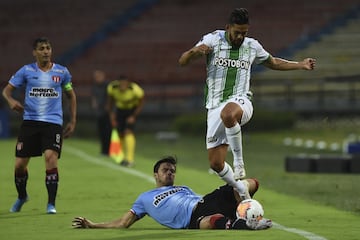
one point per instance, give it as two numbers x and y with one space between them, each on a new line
305 234
86 157
92 159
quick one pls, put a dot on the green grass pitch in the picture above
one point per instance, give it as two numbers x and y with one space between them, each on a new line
303 206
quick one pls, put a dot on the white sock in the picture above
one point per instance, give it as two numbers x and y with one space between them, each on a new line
227 175
234 138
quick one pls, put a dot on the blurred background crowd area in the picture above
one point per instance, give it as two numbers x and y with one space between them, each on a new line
143 39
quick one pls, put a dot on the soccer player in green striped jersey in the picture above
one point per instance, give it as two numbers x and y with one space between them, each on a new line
229 55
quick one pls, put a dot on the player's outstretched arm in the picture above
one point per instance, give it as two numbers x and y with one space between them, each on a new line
194 53
81 222
276 63
124 222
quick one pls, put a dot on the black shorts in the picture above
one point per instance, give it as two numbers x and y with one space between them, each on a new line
35 137
121 116
221 200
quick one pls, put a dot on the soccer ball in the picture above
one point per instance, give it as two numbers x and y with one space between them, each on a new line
250 210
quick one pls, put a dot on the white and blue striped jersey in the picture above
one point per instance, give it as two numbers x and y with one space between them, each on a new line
170 206
228 69
43 91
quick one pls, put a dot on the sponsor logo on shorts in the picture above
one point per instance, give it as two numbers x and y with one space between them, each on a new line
212 139
240 100
19 146
57 146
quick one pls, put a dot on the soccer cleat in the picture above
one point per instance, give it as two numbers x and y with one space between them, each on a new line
245 195
124 163
247 184
264 224
50 209
239 224
257 225
18 204
239 172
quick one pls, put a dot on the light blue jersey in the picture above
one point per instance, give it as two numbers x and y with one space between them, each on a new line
170 206
43 92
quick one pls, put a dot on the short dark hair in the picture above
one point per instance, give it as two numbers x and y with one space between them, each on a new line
239 16
169 159
40 40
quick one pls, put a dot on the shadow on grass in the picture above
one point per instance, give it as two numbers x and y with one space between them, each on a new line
156 233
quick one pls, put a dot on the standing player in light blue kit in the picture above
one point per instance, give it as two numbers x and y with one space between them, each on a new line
41 131
229 56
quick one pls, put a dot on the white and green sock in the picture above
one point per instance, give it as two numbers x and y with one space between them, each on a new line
234 138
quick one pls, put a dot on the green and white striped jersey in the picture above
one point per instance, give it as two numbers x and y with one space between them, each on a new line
228 69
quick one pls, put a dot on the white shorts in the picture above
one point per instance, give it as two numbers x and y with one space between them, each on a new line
215 134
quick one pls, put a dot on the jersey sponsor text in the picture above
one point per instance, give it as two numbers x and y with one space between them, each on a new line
43 92
225 62
158 198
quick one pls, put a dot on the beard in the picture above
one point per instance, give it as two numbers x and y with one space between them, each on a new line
236 43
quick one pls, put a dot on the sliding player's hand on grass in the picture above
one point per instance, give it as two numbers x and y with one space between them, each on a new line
81 222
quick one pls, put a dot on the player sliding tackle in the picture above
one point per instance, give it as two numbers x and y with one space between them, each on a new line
229 55
219 209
